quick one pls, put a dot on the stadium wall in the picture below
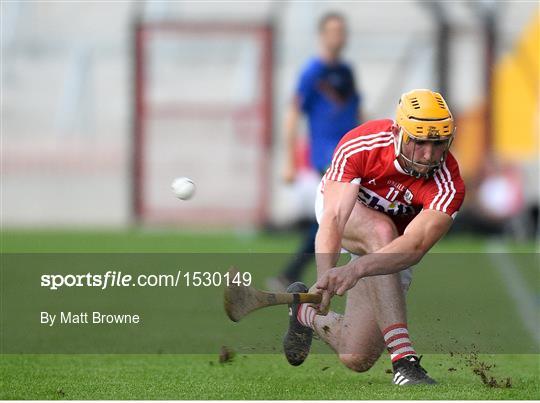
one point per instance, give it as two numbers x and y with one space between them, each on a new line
67 90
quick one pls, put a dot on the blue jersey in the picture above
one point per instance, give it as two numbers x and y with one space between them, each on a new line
327 95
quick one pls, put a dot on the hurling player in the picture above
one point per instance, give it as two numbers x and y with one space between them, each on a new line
391 192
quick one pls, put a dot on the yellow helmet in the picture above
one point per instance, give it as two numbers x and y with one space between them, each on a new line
423 115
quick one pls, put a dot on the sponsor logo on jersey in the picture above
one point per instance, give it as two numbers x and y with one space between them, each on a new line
376 202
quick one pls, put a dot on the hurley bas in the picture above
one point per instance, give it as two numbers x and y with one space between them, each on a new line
84 318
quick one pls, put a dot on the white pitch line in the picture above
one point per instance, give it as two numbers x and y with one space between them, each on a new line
517 288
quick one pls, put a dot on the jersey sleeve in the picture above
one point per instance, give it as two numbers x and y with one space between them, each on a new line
347 163
447 190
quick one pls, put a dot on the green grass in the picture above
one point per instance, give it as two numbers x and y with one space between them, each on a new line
247 377
139 241
266 376
166 241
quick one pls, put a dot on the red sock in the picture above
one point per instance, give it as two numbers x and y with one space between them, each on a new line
396 338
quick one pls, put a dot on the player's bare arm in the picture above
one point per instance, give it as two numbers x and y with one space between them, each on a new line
408 249
339 199
292 120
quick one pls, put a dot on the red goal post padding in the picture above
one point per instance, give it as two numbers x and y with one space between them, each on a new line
202 109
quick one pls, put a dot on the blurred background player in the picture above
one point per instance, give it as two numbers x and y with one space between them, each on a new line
327 95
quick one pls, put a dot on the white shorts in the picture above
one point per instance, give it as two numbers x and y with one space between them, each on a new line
406 274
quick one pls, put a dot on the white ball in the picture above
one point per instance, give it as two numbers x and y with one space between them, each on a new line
183 188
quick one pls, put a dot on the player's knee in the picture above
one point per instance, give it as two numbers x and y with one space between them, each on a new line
358 362
384 232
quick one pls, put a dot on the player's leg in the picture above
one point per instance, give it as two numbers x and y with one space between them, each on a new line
366 232
297 264
386 294
375 307
356 335
293 272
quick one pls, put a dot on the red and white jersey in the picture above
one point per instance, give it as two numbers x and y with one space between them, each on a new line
366 156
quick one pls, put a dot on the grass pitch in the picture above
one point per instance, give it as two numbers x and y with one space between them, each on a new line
247 376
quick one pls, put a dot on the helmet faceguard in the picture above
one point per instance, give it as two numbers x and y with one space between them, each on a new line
423 115
411 165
